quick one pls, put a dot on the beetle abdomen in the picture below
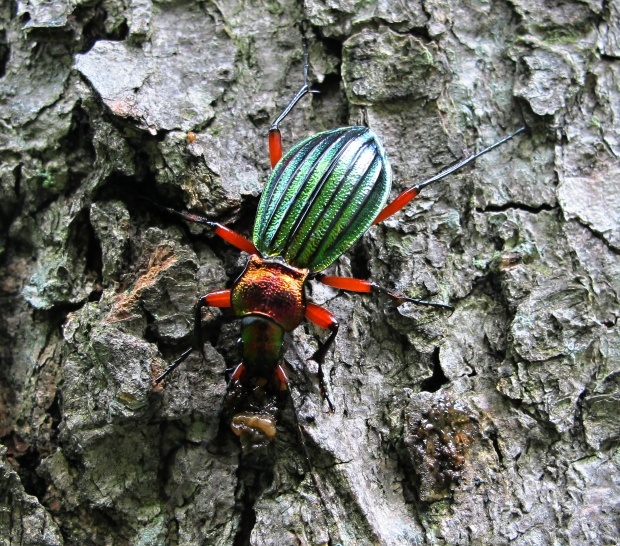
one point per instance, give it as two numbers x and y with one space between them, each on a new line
323 196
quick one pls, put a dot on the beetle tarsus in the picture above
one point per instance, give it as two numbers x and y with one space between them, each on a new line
183 215
303 91
175 363
399 298
319 358
198 342
325 397
323 388
466 161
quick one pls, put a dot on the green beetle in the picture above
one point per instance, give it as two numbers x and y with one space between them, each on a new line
321 197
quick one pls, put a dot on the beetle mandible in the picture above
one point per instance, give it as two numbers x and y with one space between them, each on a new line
320 198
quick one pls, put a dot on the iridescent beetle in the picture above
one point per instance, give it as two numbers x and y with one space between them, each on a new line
321 197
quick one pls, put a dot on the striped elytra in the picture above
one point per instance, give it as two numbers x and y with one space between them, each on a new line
322 196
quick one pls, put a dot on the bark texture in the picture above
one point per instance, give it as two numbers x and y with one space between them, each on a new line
494 424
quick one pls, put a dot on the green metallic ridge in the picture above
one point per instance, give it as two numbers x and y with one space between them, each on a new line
290 189
323 196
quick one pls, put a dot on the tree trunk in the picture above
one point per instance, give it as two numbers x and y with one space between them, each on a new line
493 423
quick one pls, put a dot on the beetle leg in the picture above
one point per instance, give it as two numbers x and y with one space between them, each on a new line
235 239
324 319
360 285
281 377
275 138
230 236
219 298
406 196
238 372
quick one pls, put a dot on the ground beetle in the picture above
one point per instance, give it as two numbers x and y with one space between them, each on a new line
321 197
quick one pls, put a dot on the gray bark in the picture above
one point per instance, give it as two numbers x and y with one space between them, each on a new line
494 424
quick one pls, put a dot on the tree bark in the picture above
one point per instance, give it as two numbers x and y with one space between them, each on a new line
495 423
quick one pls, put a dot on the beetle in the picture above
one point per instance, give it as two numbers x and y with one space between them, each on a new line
321 197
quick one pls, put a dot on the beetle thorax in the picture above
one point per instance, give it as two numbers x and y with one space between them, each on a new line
273 289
